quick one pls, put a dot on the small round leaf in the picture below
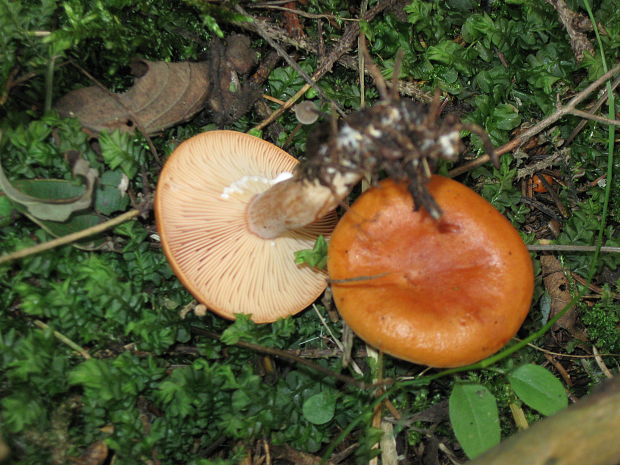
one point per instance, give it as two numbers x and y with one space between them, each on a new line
319 408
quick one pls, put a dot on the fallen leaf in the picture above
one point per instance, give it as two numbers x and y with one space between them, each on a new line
107 200
59 209
95 454
166 94
558 287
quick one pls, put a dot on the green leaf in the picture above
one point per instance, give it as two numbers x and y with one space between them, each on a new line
474 418
315 257
52 189
444 52
99 377
110 196
506 117
119 150
418 11
285 82
538 388
6 211
242 328
20 410
319 408
56 209
240 400
478 26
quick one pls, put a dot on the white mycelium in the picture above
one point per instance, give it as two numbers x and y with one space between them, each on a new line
373 131
391 117
240 184
348 138
449 143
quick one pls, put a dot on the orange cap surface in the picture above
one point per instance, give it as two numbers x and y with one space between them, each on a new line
440 293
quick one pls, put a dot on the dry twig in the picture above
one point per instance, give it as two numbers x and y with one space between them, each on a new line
64 339
568 109
292 63
570 248
288 356
69 238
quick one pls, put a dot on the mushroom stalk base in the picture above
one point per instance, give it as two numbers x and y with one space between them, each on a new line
295 203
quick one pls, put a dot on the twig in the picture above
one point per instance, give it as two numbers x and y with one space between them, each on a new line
449 453
305 14
61 337
360 58
273 99
601 364
292 63
300 43
570 248
281 109
340 456
593 108
287 356
337 341
64 240
554 196
592 287
558 354
540 206
560 369
590 116
540 126
350 35
344 44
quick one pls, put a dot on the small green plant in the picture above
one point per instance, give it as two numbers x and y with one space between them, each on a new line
315 257
473 409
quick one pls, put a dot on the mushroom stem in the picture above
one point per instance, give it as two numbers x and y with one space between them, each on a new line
296 202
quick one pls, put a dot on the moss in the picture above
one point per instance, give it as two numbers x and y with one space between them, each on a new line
601 322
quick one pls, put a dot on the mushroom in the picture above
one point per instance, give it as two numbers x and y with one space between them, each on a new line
230 214
442 293
306 112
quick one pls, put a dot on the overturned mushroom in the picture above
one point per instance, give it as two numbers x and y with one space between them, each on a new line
230 221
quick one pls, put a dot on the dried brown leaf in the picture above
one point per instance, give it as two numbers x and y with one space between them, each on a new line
558 287
167 94
95 454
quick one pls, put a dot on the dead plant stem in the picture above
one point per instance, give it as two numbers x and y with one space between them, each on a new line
64 339
287 356
570 248
590 116
351 33
292 63
68 239
561 111
592 109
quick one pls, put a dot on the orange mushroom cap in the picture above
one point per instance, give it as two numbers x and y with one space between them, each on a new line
538 185
201 208
442 293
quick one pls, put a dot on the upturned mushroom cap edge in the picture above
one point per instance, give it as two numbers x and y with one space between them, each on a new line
201 215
